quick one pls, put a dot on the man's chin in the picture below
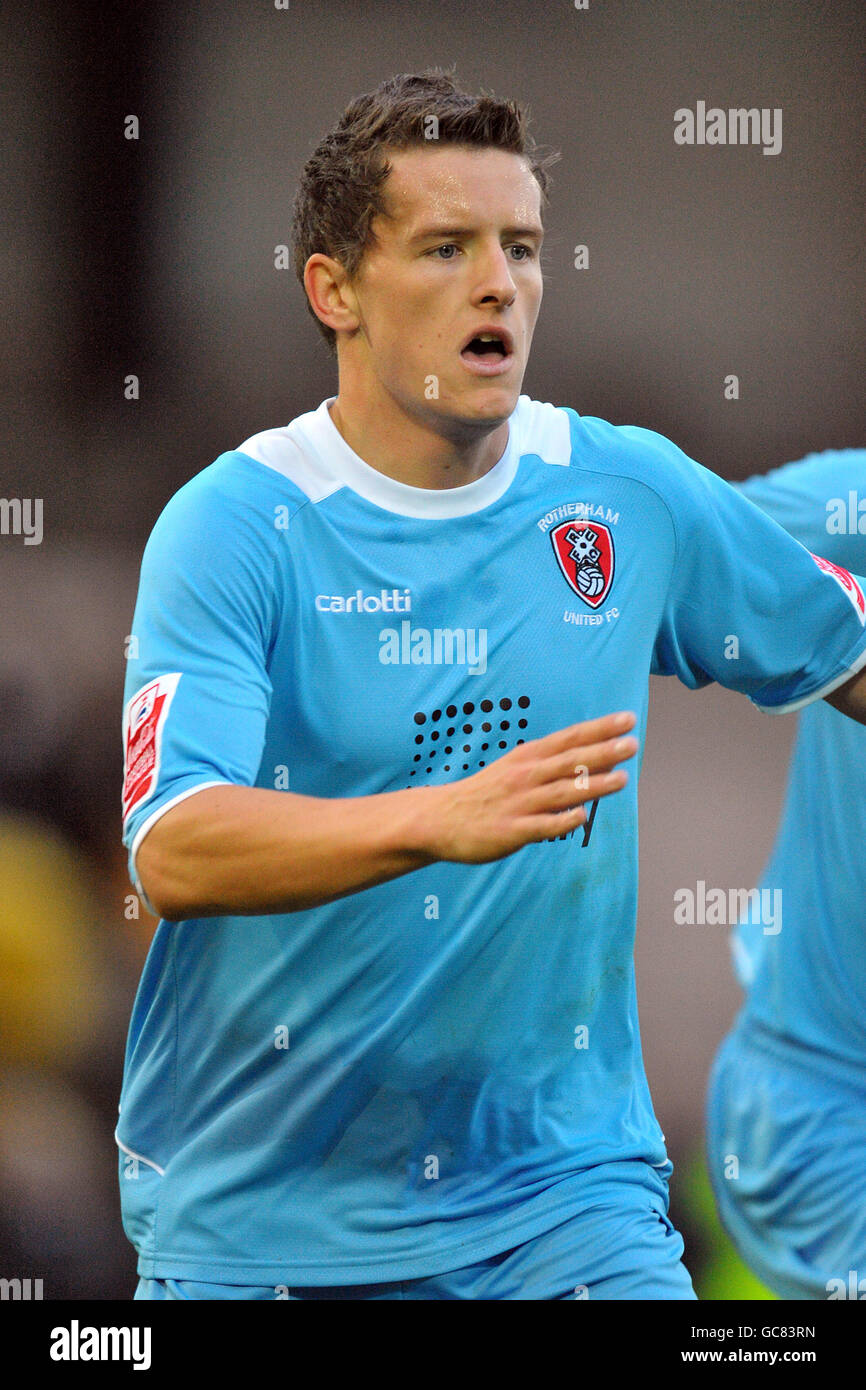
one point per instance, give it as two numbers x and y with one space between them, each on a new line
486 404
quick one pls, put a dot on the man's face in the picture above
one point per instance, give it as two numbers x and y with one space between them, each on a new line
457 254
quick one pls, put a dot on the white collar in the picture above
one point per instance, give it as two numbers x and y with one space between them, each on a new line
389 493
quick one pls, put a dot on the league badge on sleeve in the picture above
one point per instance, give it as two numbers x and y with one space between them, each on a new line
846 582
584 552
143 723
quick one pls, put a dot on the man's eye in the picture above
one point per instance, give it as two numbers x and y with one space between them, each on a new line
449 246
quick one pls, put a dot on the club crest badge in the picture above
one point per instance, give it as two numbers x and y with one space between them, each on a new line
584 553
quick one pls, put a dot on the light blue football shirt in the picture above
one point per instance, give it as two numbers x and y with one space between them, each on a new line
430 1071
806 980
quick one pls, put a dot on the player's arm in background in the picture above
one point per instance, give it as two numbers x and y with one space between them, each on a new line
821 501
203 839
747 605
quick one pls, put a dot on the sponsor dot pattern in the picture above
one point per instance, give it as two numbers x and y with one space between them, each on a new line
476 720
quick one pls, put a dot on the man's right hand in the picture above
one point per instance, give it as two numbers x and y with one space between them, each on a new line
247 850
535 792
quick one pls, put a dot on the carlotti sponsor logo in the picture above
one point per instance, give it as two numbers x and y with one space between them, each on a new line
385 601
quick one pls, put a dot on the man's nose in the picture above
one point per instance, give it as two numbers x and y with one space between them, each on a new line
494 276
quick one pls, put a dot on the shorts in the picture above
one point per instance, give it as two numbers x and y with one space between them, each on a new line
786 1150
623 1249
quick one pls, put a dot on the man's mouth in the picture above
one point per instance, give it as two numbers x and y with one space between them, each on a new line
489 348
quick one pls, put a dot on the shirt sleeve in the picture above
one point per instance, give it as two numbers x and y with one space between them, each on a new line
748 605
198 693
821 500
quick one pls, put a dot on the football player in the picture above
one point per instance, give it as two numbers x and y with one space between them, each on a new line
389 656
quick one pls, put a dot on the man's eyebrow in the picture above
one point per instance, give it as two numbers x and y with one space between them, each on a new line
532 231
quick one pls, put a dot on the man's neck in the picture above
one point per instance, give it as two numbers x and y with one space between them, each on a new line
403 447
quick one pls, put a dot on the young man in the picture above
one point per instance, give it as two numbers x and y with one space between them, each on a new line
386 1040
786 1119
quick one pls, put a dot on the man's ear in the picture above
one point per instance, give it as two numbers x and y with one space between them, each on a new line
331 294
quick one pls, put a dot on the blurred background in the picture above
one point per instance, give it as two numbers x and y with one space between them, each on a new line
153 258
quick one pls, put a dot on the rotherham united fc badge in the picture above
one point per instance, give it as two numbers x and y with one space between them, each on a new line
584 553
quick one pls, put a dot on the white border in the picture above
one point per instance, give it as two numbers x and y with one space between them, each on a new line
151 822
816 694
141 1158
406 499
313 454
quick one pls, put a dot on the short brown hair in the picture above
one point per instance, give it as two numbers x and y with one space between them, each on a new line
341 187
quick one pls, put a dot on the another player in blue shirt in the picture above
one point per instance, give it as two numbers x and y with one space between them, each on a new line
787 1100
386 1039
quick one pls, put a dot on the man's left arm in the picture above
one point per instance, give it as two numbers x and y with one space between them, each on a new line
812 500
850 698
752 607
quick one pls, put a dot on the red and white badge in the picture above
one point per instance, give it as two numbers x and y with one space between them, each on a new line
584 553
143 723
846 581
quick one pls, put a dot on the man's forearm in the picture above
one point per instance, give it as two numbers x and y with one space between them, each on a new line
234 850
850 698
247 850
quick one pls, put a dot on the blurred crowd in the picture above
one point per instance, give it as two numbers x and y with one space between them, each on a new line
73 936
